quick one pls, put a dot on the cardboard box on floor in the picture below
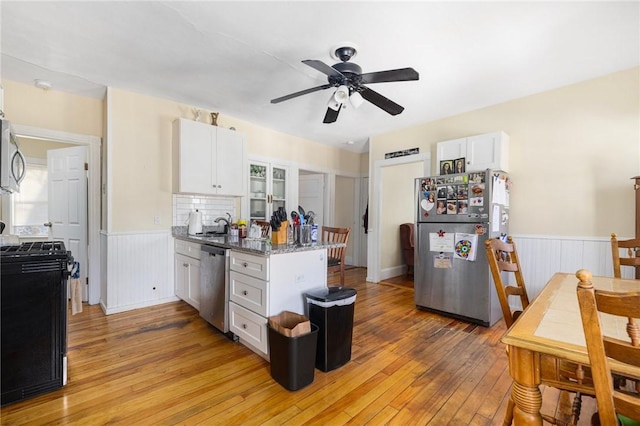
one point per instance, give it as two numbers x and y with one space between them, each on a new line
290 324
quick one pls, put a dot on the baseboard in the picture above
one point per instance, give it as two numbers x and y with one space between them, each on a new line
392 272
137 305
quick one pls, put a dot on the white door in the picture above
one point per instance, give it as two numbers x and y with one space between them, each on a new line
311 195
68 203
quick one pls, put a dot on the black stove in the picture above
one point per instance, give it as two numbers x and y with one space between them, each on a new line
33 319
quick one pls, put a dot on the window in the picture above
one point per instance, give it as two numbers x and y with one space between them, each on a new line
30 206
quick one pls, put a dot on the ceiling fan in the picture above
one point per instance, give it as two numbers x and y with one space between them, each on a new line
347 77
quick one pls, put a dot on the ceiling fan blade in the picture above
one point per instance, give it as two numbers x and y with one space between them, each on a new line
300 93
380 101
323 68
402 74
331 115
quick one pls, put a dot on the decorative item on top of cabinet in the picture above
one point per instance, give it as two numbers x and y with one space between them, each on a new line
480 152
214 118
267 189
208 159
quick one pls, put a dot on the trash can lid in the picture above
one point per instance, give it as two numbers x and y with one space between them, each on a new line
330 294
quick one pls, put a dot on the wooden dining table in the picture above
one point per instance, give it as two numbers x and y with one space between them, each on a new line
551 329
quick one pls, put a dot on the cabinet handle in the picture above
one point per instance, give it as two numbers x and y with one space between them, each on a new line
245 292
245 264
185 265
244 326
219 186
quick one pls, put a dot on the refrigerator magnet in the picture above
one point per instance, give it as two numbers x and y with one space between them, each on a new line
427 204
480 230
442 261
441 242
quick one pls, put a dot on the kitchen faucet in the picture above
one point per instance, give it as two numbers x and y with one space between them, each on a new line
226 221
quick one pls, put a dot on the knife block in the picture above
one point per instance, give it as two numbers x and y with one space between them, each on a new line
280 236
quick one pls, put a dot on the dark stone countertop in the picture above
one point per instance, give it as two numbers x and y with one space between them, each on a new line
256 246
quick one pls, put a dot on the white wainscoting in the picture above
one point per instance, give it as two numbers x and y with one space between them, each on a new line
138 270
543 256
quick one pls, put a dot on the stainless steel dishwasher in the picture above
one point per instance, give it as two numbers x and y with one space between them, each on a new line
214 286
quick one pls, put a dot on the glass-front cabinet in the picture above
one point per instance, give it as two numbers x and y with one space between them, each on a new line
267 189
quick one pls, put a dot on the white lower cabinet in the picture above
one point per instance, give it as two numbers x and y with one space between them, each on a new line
250 328
187 272
261 287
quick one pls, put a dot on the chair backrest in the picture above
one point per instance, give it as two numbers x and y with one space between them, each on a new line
406 236
602 347
503 257
264 226
633 254
336 235
406 243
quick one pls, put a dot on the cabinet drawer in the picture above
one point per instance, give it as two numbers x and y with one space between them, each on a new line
248 326
188 248
248 292
255 266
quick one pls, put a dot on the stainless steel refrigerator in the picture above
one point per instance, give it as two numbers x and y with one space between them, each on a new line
455 215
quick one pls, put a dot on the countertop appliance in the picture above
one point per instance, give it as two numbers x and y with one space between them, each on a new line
455 215
195 223
13 165
33 327
214 286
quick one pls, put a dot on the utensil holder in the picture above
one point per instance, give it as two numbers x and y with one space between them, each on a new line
280 236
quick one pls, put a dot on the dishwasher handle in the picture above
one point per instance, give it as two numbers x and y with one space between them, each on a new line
213 250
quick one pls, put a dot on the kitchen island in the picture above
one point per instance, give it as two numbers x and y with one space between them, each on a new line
263 280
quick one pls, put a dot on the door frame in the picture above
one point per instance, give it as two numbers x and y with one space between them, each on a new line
373 246
93 196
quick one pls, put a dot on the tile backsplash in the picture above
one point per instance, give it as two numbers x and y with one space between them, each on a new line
211 208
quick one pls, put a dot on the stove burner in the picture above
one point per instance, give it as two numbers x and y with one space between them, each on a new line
34 248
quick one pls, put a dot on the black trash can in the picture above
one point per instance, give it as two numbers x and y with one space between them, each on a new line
331 309
292 358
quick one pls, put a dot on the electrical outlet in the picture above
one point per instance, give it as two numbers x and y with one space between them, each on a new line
156 220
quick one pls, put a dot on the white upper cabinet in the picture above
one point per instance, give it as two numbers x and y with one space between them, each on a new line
481 152
268 189
208 159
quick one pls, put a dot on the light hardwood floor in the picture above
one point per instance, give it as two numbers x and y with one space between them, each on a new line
165 365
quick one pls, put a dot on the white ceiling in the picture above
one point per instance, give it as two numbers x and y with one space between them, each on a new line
234 57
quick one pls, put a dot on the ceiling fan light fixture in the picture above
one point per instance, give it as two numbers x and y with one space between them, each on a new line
356 99
333 103
342 94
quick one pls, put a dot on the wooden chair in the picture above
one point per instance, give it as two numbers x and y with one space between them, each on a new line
564 375
600 347
335 255
407 245
633 254
265 226
503 257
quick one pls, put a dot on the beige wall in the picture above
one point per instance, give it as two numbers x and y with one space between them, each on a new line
572 153
344 209
572 150
37 148
139 138
398 207
140 146
50 109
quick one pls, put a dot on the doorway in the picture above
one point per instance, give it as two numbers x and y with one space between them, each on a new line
93 194
311 194
384 211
